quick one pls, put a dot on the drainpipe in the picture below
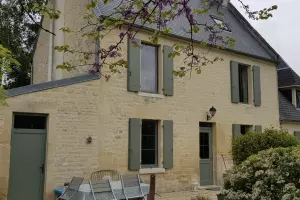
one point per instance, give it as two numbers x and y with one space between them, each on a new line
51 40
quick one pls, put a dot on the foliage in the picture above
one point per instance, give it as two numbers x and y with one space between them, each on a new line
201 198
272 174
6 59
20 20
18 34
253 142
149 13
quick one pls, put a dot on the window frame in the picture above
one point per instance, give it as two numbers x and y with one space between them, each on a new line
225 25
156 144
143 43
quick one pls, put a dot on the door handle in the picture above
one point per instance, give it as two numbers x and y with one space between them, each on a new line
42 168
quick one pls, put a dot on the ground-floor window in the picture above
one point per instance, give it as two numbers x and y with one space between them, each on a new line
245 129
149 142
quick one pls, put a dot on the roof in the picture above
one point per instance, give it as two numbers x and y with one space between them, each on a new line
248 41
287 111
287 77
51 84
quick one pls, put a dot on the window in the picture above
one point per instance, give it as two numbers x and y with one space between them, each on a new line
149 69
287 94
204 145
245 129
243 83
23 121
149 142
298 98
220 23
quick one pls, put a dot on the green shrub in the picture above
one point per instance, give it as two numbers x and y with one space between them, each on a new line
272 174
253 142
201 198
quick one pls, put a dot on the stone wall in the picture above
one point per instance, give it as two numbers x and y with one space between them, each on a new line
291 126
102 109
41 54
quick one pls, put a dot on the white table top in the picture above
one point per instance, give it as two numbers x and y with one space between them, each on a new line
116 185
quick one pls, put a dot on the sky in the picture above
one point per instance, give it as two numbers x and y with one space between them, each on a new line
282 31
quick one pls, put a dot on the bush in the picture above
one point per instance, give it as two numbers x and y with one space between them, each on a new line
253 142
272 174
201 198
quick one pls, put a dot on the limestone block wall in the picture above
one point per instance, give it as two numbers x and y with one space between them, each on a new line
291 127
40 59
102 109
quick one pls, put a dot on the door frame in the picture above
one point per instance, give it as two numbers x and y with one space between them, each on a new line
44 151
211 150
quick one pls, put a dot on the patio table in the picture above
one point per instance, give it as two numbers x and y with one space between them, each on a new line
84 192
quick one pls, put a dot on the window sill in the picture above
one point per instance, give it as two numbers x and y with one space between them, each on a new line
144 94
152 170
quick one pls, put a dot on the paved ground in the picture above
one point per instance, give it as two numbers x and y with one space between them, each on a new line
187 195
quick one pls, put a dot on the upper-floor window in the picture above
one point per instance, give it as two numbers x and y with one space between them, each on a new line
245 86
221 24
288 94
298 98
243 83
149 68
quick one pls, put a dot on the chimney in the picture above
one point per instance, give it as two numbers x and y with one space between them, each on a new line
225 3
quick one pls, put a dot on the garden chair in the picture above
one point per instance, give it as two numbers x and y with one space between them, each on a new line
132 186
104 187
102 174
72 188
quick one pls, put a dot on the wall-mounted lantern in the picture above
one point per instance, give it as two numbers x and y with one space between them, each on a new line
212 113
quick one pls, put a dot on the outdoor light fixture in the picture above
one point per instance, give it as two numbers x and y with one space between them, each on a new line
211 114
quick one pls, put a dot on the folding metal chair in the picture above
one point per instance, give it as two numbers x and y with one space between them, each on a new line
72 188
132 186
102 186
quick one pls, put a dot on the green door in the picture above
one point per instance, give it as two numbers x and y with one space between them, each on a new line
206 156
27 161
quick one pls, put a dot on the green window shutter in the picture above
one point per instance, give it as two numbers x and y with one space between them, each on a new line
256 85
168 71
234 77
297 134
134 144
258 128
236 130
134 66
168 144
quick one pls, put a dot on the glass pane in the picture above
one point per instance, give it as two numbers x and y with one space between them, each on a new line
148 142
243 83
149 68
204 145
30 122
148 157
287 94
149 127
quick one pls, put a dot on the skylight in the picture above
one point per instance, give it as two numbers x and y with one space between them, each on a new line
221 24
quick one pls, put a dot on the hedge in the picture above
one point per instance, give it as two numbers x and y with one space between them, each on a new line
253 142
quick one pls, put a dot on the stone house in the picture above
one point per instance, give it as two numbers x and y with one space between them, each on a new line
289 98
158 126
